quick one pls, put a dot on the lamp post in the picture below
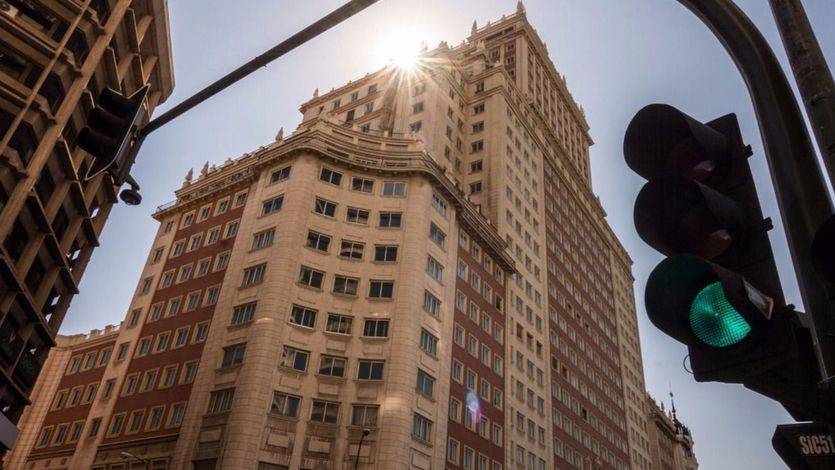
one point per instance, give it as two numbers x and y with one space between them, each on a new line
365 432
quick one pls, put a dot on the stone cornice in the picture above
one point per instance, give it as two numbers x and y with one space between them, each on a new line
341 146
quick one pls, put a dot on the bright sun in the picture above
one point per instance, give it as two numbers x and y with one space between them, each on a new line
400 50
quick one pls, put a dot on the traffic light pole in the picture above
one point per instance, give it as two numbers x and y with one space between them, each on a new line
814 80
798 182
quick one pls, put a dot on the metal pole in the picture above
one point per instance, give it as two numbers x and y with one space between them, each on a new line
365 432
814 80
798 182
332 19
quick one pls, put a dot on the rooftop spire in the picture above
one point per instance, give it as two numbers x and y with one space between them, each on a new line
520 7
475 28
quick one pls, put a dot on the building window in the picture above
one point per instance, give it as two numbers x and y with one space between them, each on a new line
431 304
352 250
122 352
362 185
167 279
476 166
155 418
233 355
189 372
144 347
146 285
357 216
131 384
381 289
324 412
385 253
192 301
201 332
475 187
478 127
212 294
254 275
390 219
425 383
157 255
162 342
134 317
370 370
294 358
439 204
285 405
453 451
329 176
339 324
394 188
311 278
417 107
375 328
318 241
280 175
175 417
428 342
434 269
178 248
303 316
345 285
477 146
332 366
240 199
478 109
231 229
325 207
116 425
222 206
422 428
135 422
95 425
222 261
243 313
272 205
364 416
214 236
436 235
169 376
195 242
220 401
263 239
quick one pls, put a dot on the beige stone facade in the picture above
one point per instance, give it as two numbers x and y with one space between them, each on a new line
670 442
422 258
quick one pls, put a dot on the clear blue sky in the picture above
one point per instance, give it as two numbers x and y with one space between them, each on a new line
617 55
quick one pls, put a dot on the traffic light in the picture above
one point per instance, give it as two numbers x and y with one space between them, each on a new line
110 129
718 291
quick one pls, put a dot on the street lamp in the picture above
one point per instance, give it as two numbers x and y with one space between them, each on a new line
365 432
129 456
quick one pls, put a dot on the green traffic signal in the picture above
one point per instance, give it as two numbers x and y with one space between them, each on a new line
714 320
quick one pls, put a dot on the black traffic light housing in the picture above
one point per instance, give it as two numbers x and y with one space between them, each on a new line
110 130
718 292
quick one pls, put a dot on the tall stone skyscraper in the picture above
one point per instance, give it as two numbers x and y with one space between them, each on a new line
422 259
